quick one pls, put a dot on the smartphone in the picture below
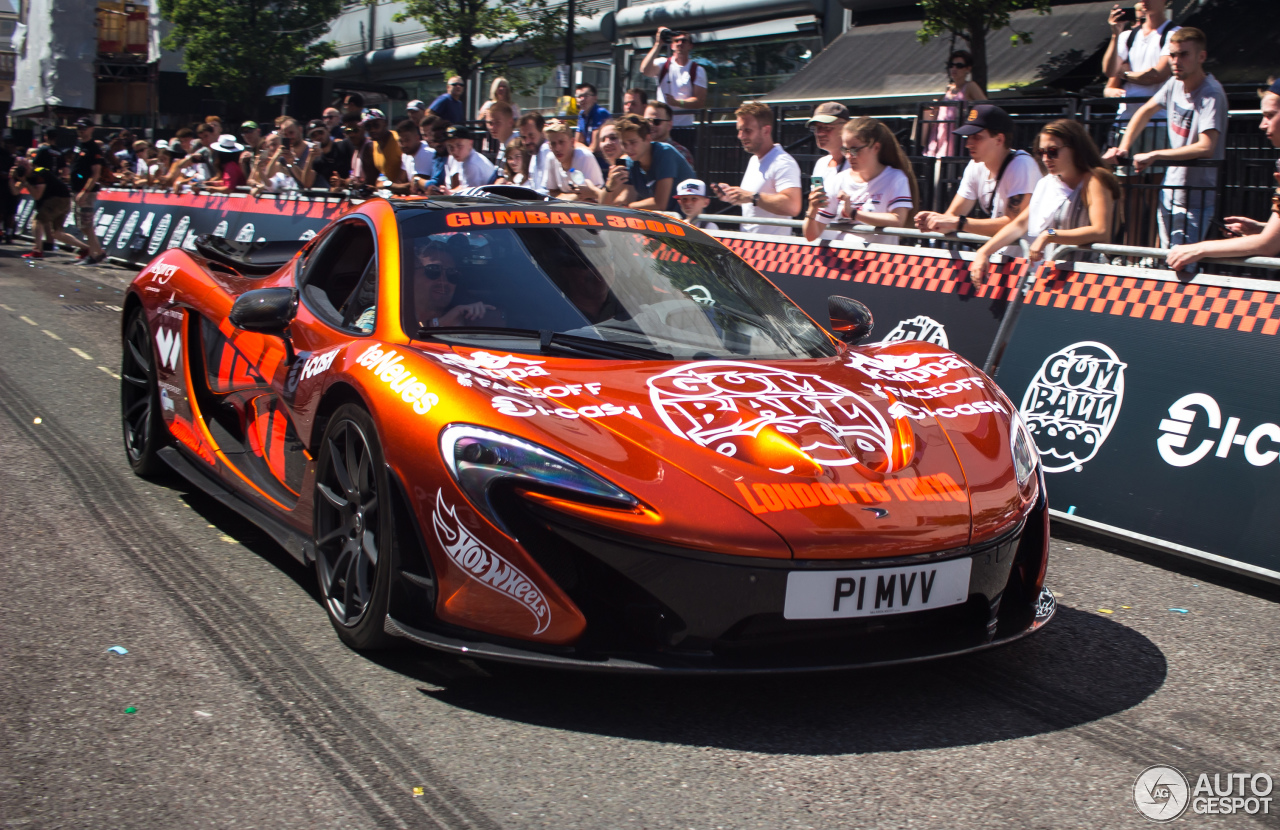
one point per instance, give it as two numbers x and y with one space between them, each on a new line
1129 15
620 162
1226 232
718 189
816 182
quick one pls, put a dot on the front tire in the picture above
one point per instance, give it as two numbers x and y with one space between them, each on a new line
144 429
353 529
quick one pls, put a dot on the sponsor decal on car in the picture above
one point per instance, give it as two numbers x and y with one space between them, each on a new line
161 272
564 390
905 368
486 565
169 345
496 366
317 363
518 408
898 409
942 390
775 497
721 404
1183 415
190 438
921 328
1072 403
483 218
386 366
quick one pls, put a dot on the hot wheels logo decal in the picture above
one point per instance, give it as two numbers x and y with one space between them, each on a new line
725 405
485 565
1072 404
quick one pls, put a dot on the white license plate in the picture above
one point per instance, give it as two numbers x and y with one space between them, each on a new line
821 595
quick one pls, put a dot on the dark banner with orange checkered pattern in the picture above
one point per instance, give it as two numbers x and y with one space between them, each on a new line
924 295
1154 405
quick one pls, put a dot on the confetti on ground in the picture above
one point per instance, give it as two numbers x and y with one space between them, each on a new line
1071 511
417 791
118 650
203 714
37 420
1125 607
1179 610
130 710
1105 611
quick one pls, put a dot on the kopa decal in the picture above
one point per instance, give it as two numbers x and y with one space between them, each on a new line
921 328
496 366
726 405
905 368
1072 404
485 565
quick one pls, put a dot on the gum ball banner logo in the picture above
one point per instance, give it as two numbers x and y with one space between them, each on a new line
1073 403
921 328
726 405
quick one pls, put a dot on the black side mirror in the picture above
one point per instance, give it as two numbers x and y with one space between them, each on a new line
265 310
850 320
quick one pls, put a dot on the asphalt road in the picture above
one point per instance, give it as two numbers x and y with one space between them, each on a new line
250 713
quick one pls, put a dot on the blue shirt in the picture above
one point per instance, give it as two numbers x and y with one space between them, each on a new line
589 122
437 173
665 162
449 108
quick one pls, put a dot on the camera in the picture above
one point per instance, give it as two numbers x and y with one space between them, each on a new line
669 34
1129 15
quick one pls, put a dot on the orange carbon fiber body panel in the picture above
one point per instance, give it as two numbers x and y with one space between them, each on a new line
710 448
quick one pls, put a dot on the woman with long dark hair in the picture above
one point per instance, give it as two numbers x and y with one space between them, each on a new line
939 121
878 187
1075 204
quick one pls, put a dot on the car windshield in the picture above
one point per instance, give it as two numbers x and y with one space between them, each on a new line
685 296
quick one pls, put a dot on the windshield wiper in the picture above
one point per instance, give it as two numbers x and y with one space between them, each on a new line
551 342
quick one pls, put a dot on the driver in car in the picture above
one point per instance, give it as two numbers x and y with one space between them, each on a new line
435 282
586 288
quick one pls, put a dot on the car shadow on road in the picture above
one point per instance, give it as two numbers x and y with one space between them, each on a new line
1081 668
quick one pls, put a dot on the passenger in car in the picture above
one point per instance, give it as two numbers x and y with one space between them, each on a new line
436 278
586 288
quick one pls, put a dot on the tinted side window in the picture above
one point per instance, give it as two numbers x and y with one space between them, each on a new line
341 275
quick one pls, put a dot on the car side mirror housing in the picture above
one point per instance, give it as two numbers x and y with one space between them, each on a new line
851 321
265 310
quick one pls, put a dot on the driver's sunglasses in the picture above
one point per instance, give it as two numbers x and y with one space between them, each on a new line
957 65
1048 152
434 272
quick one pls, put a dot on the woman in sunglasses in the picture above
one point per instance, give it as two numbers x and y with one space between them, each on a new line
435 283
1074 205
938 121
877 188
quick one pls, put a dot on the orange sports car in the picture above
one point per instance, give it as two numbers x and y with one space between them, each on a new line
545 432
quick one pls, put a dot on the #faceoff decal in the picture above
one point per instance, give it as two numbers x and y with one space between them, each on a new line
486 565
1072 404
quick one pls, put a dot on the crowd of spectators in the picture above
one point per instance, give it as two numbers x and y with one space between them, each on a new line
1062 191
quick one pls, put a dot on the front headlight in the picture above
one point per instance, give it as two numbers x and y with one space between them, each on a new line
478 458
1023 447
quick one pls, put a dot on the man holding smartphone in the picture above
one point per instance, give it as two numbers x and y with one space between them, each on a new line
826 125
771 186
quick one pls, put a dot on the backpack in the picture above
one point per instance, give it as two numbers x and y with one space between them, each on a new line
1165 29
693 73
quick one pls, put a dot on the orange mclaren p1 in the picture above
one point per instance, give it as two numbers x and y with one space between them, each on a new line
536 431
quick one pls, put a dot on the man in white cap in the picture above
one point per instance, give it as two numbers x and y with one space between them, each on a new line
692 196
416 111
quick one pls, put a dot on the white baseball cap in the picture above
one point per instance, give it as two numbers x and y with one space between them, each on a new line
691 187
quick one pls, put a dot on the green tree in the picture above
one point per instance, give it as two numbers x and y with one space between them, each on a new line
242 47
469 36
972 21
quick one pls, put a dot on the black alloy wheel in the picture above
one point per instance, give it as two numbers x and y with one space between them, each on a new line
354 529
144 430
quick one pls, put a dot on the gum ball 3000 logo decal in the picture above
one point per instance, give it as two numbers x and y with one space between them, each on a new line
726 406
1072 404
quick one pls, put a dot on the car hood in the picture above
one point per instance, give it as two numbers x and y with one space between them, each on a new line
839 457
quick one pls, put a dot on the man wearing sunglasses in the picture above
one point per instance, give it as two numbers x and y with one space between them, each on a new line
436 277
449 105
999 179
660 120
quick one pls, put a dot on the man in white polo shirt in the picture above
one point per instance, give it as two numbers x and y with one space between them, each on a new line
771 186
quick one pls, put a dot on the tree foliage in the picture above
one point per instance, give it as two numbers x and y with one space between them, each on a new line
242 47
972 21
469 36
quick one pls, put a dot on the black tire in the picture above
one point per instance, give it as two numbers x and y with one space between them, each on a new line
145 433
354 529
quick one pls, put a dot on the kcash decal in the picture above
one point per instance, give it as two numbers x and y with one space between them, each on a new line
161 273
496 366
179 232
1072 404
485 565
721 404
157 236
127 233
898 409
523 409
482 218
925 329
317 364
169 344
905 368
769 497
1183 414
386 366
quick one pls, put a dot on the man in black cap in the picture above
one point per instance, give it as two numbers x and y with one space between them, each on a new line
465 167
87 162
330 162
999 179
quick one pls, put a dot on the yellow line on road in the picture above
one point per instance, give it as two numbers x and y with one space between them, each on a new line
51 334
5 307
109 372
85 355
24 318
